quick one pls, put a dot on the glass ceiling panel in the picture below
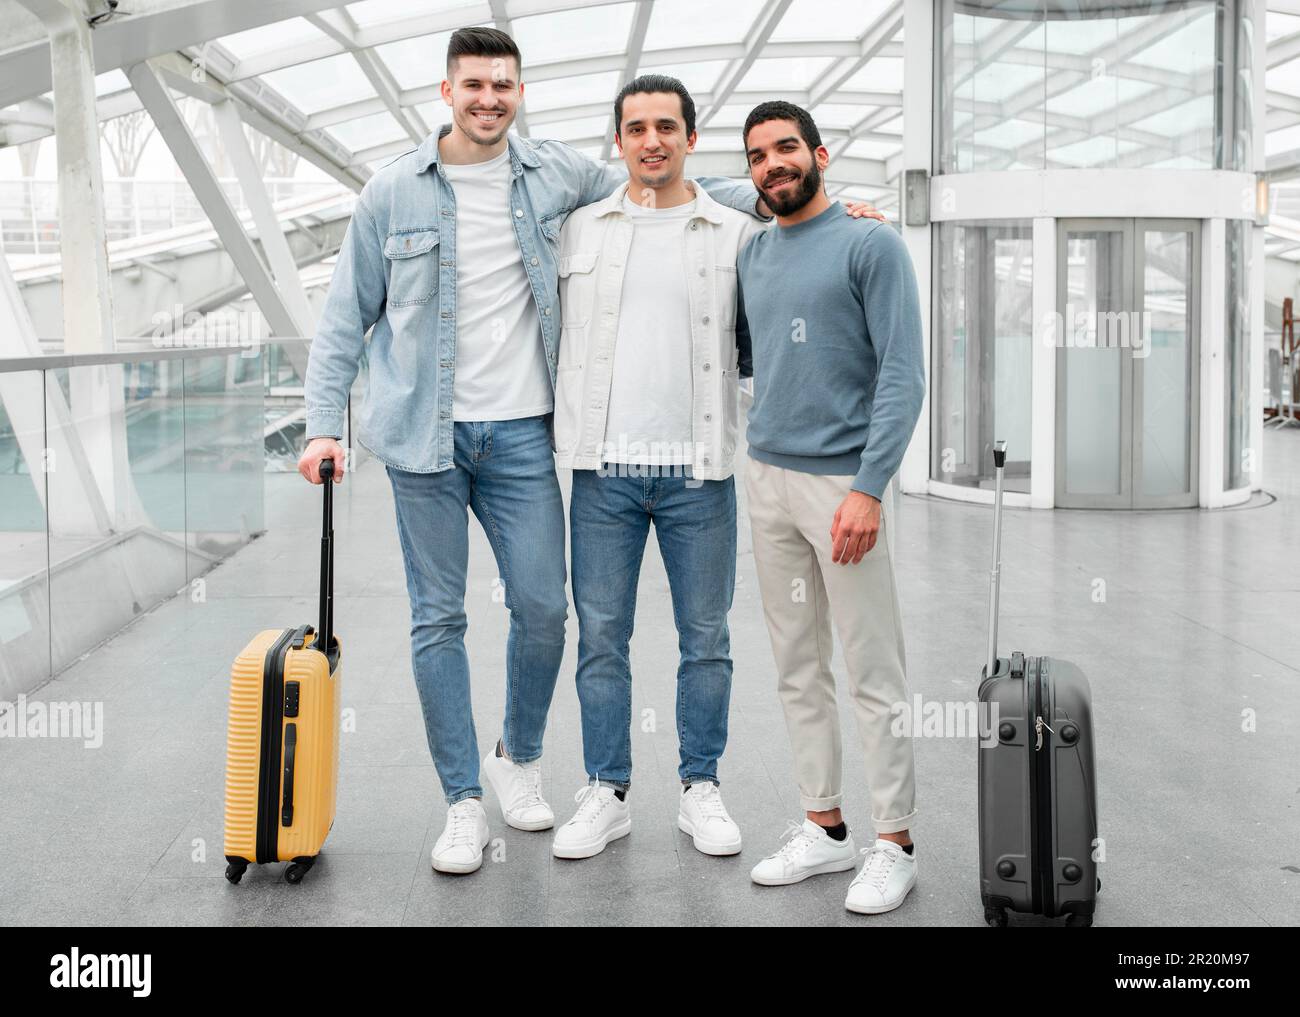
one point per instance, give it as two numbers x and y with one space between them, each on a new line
367 132
434 114
1284 78
321 84
1187 118
691 23
785 72
369 13
1285 140
1281 24
830 114
871 150
278 35
883 74
418 61
1098 95
828 19
574 130
110 81
579 90
700 76
563 35
1187 49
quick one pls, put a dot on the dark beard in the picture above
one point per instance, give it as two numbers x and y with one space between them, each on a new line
809 184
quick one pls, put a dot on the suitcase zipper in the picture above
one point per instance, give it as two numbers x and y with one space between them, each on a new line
272 721
1043 765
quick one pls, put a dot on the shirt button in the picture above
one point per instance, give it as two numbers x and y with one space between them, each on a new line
706 367
705 319
708 416
408 241
534 261
706 460
695 225
519 213
547 311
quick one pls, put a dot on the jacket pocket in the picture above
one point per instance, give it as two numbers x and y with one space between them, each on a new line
412 266
569 384
724 277
577 287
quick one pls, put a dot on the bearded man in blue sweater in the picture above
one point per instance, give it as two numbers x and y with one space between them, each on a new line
839 380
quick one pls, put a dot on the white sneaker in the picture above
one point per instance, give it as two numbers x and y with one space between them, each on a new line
702 815
886 876
809 851
460 847
600 818
518 787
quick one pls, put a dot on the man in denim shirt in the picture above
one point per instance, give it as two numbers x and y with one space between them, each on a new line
451 257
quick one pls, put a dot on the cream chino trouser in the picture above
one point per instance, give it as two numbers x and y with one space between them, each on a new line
803 591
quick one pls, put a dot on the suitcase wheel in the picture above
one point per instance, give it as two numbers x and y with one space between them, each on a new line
1078 922
996 917
298 868
235 871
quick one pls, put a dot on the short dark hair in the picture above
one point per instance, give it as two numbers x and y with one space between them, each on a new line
655 83
780 110
481 42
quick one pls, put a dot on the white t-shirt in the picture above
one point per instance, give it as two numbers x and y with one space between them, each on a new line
501 371
649 419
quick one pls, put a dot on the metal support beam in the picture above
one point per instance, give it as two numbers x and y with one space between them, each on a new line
176 133
635 44
501 19
269 232
755 41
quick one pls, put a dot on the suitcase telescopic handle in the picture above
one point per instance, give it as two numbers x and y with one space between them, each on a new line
325 630
999 462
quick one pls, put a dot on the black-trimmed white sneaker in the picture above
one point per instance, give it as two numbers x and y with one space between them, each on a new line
600 818
518 788
887 875
702 815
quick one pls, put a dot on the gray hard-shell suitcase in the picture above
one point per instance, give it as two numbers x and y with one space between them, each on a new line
1037 775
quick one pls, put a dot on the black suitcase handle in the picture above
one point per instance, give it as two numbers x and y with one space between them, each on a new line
325 630
995 584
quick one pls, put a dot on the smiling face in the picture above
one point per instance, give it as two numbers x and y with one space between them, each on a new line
484 94
652 138
786 172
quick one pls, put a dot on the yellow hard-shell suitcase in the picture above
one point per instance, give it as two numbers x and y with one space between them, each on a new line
282 739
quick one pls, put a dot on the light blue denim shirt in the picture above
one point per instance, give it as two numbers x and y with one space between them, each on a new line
396 271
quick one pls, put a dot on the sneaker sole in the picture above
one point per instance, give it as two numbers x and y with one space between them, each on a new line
819 870
518 824
595 847
867 909
704 847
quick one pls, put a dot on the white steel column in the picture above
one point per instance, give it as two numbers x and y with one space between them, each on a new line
918 117
1259 269
1213 323
1042 368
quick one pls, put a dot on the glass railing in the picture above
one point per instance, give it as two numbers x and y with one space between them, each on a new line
124 477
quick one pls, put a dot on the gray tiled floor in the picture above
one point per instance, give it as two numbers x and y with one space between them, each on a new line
1201 820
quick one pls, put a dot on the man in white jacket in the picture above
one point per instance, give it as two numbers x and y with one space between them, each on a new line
646 403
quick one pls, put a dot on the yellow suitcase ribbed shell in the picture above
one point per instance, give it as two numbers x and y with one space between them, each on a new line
316 763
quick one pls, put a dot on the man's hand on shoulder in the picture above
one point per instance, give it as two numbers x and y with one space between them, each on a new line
864 210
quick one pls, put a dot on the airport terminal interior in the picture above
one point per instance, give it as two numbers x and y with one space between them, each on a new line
1101 201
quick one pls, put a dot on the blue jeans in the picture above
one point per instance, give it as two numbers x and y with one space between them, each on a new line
695 523
505 472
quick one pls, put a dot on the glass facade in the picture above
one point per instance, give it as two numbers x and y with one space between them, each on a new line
1236 356
983 338
1082 84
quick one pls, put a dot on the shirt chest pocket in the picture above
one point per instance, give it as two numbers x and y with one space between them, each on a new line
412 266
577 287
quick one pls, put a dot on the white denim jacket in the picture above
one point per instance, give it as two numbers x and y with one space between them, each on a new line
594 247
